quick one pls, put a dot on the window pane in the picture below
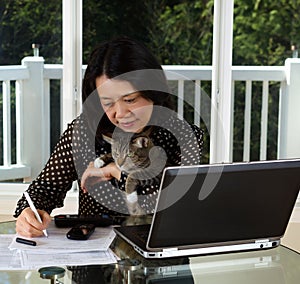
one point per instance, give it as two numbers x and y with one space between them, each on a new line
178 32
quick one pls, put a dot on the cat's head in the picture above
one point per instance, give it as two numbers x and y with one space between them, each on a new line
131 154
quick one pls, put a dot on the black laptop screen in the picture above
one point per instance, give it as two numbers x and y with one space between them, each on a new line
248 201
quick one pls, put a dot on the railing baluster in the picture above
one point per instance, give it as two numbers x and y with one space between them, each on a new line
282 121
247 121
19 114
180 97
46 116
6 124
232 122
197 106
264 121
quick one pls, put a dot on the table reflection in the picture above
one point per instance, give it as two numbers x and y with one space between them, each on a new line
277 265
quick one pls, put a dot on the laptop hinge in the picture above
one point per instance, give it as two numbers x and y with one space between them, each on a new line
170 249
262 241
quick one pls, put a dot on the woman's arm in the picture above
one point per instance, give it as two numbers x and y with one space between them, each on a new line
49 189
94 175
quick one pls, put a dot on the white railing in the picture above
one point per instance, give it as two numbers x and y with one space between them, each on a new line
249 75
31 84
9 74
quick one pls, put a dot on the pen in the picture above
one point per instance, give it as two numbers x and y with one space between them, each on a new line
26 242
37 215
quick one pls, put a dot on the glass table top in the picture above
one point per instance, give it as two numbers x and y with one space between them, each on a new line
276 265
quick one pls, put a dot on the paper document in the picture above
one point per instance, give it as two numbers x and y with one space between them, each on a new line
9 260
57 242
36 261
57 249
21 259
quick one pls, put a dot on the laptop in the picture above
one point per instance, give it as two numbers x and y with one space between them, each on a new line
207 209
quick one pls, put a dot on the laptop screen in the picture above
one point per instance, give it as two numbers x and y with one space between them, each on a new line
227 203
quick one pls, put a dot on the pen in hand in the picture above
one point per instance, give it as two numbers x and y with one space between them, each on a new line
37 215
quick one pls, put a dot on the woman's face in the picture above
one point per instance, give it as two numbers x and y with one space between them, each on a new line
125 107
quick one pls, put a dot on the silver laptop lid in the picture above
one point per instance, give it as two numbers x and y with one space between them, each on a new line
207 205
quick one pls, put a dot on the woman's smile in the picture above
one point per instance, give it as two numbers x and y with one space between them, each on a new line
124 106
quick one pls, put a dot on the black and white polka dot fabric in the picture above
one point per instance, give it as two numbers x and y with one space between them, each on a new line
76 149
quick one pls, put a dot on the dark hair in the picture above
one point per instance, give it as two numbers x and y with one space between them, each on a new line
120 57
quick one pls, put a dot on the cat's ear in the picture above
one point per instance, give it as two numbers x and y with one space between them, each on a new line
140 142
107 139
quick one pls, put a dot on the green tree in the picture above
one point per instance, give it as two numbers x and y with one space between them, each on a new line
24 22
264 31
106 19
181 32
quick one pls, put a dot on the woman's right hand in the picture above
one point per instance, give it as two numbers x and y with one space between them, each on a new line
28 226
94 175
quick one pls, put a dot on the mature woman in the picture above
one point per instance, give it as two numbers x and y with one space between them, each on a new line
124 88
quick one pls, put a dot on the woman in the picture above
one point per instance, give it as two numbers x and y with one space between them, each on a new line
124 88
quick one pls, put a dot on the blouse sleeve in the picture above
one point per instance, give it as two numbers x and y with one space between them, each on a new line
193 146
49 189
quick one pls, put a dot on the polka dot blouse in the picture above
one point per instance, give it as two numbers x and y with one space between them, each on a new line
76 148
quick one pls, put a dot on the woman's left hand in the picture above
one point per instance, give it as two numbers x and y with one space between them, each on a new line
94 175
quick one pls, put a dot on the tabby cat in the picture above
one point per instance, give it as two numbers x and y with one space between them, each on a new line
140 159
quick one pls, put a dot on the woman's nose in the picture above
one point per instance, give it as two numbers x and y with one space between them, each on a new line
120 109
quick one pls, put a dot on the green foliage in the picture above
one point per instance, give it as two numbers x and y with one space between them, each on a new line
182 32
264 31
24 22
106 19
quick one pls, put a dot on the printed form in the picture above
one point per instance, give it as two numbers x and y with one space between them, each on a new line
57 249
57 242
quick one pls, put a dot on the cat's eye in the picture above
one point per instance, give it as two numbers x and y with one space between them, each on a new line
130 154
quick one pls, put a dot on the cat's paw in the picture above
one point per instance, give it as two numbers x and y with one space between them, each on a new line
98 163
132 197
132 204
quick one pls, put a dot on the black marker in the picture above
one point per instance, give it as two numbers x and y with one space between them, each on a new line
26 242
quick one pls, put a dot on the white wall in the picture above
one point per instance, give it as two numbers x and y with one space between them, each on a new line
10 194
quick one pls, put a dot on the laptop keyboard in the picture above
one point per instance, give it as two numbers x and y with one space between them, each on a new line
139 232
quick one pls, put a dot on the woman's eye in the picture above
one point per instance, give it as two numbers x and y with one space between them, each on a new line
107 104
129 100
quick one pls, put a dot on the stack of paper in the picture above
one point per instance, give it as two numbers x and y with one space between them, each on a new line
57 249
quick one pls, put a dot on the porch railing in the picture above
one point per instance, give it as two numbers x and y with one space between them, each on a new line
29 84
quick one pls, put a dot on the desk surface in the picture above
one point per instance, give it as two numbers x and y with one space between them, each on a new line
277 265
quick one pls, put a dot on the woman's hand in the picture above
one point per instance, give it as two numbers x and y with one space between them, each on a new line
94 175
28 226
